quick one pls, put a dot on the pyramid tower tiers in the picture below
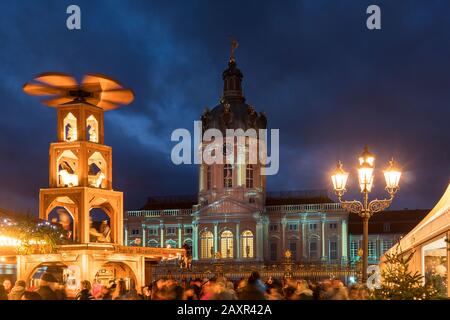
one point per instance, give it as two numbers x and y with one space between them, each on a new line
80 121
80 165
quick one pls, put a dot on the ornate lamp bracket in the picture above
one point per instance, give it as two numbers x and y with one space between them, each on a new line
379 205
352 206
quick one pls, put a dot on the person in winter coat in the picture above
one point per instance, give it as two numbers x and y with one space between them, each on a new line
3 295
17 290
30 295
7 285
303 291
47 287
253 290
85 291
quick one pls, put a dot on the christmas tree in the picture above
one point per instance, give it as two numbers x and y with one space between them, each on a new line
31 235
399 283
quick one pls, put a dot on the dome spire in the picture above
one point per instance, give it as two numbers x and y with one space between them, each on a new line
232 78
234 46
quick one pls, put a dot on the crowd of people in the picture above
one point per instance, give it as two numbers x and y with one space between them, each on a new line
218 288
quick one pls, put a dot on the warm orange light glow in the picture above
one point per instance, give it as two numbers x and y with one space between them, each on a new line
339 178
367 158
365 177
392 176
9 242
6 241
365 170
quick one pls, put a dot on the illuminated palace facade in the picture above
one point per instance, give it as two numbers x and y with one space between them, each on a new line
234 218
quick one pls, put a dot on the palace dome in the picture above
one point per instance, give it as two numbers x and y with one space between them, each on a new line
233 112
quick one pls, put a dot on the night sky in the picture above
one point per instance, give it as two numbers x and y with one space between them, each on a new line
327 82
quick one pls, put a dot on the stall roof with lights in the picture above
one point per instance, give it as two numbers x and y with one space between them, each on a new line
435 222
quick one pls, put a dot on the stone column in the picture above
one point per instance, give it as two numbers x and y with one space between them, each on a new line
144 236
322 238
201 178
238 241
126 235
194 241
180 227
161 229
266 240
259 241
283 236
216 238
344 237
304 241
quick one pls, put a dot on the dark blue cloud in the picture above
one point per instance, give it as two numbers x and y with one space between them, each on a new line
328 83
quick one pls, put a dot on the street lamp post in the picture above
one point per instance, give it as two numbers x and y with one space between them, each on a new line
366 209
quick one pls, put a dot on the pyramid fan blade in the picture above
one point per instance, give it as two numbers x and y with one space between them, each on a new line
37 89
57 79
105 82
120 96
106 105
93 100
57 101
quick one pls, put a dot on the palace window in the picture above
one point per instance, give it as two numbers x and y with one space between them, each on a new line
354 249
226 244
371 248
249 176
247 244
188 230
153 243
293 249
333 250
208 178
188 242
313 249
386 245
293 227
313 226
171 231
153 231
171 243
273 227
333 225
135 232
227 176
206 245
273 251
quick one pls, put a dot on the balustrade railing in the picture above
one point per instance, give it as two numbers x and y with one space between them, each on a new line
159 213
296 208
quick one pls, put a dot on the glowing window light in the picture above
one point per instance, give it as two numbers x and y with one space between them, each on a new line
9 242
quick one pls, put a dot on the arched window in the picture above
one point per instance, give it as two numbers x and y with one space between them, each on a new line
206 245
247 244
153 243
227 176
171 243
249 176
226 244
208 178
